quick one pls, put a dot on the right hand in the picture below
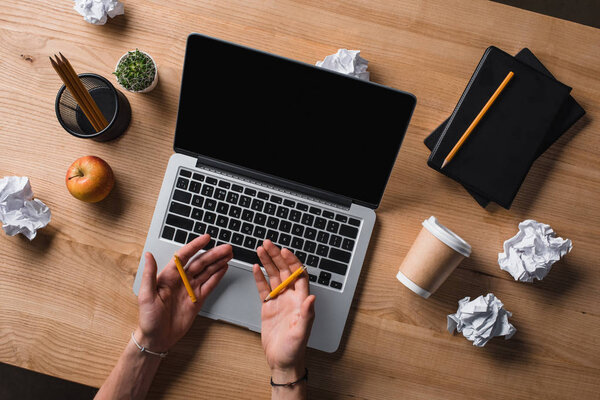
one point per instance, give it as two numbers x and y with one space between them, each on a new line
287 319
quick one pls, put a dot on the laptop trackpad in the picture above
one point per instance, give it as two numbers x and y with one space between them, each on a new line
235 299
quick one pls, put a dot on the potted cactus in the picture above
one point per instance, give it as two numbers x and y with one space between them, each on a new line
136 72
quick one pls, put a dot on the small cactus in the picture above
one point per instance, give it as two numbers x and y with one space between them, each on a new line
135 71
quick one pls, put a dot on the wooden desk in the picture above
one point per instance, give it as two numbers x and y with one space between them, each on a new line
66 301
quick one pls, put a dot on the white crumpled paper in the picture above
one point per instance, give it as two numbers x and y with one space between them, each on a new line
481 319
347 62
532 251
96 11
19 211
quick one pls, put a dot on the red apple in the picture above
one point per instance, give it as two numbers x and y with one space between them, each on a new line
90 179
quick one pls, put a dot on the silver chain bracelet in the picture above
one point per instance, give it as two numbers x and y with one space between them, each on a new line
145 350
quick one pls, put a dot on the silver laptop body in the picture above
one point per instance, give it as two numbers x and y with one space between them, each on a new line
335 241
236 299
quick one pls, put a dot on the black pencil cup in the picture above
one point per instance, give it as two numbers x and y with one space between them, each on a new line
112 104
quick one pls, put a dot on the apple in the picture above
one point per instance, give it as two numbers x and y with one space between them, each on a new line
90 179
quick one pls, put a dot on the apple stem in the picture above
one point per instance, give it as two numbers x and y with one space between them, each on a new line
79 174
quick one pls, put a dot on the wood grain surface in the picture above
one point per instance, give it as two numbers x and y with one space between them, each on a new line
66 302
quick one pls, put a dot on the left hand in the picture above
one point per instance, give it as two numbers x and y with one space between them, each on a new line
166 311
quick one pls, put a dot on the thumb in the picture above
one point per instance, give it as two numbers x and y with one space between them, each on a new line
307 314
148 285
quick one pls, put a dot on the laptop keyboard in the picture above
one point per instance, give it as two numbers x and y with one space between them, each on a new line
242 216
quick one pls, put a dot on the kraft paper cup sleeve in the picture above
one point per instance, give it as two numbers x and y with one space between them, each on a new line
433 256
412 286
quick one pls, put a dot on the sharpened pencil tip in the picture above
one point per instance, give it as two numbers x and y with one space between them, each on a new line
444 164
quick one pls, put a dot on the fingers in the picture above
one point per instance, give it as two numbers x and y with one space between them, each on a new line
307 314
198 264
267 262
290 260
261 283
275 254
212 282
294 263
190 249
199 279
148 285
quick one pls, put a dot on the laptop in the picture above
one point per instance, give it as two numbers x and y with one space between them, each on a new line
271 148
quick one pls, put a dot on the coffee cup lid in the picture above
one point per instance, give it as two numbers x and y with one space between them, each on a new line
447 236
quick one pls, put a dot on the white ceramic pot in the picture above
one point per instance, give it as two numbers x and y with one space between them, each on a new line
154 82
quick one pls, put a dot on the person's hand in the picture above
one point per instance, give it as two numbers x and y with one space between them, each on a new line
287 319
166 311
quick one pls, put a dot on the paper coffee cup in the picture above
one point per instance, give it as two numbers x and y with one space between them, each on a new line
435 253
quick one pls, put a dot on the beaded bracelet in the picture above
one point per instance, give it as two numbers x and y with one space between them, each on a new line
291 384
145 350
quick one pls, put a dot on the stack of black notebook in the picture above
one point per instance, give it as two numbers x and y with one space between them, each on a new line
530 114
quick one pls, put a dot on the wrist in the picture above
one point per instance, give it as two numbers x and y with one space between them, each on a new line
149 342
288 374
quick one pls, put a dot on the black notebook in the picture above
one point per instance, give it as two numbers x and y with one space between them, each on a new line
496 157
569 113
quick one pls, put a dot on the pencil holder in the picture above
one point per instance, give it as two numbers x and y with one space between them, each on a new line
111 102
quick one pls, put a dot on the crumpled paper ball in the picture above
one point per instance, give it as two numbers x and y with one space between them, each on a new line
96 11
481 319
347 62
19 211
532 251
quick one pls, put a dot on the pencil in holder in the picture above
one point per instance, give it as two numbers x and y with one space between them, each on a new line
112 104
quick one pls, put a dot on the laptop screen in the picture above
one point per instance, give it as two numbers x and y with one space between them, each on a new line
290 120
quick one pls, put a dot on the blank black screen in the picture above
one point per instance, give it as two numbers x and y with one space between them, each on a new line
289 119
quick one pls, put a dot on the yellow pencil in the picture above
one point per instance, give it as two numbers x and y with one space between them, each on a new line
477 119
285 283
184 278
